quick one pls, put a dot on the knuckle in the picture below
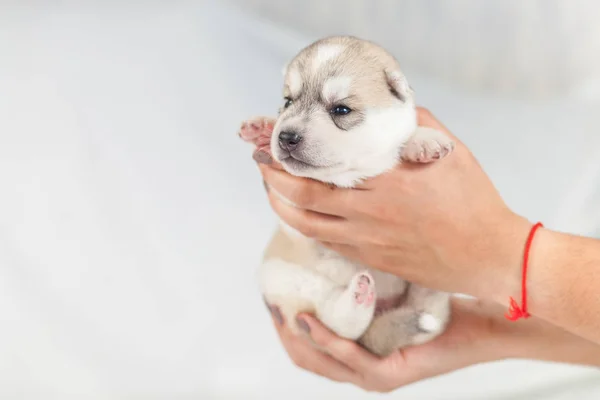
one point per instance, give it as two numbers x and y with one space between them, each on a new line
299 360
304 195
305 227
424 111
347 351
370 389
378 388
326 342
377 210
274 199
347 348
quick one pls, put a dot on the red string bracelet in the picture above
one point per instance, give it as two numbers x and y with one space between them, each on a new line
515 312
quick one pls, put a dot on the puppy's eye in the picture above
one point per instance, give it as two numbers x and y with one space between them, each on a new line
288 102
340 110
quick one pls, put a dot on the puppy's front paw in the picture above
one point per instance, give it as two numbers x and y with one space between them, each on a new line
257 130
427 145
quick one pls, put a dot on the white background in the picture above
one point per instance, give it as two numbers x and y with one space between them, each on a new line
132 218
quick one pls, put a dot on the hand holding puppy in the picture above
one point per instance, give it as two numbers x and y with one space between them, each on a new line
446 230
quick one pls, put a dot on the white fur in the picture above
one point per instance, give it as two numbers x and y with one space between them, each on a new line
324 54
295 82
429 323
398 81
336 88
333 304
360 153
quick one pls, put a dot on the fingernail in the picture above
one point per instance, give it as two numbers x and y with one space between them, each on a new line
303 325
277 314
262 157
274 310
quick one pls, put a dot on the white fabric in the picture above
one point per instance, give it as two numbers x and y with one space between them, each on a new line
132 218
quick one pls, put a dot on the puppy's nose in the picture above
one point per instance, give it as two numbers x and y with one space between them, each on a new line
289 140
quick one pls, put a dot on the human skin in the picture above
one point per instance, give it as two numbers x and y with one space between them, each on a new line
478 333
445 226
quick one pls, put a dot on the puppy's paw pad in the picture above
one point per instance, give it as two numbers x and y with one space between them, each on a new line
429 323
257 130
363 287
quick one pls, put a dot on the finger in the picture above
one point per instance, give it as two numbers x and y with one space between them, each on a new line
306 193
426 118
309 223
348 250
262 155
306 356
346 351
367 256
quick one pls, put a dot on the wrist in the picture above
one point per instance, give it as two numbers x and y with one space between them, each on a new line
536 339
499 273
543 283
485 338
531 339
563 279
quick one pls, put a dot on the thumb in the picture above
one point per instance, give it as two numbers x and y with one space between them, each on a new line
426 118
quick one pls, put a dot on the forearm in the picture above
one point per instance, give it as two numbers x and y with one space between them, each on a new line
563 281
536 339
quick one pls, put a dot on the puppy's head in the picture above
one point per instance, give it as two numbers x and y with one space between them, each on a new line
346 112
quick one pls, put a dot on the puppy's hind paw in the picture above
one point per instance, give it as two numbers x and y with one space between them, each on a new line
351 311
363 289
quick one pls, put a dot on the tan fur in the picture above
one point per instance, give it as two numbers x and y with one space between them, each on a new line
284 247
362 60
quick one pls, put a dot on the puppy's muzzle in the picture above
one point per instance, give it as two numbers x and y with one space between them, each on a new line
289 141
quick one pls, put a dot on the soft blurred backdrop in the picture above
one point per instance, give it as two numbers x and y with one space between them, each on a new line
132 218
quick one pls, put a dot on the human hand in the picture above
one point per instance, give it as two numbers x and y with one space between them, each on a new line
442 225
471 338
478 333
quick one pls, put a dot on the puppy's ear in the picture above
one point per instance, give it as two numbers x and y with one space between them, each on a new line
398 84
284 69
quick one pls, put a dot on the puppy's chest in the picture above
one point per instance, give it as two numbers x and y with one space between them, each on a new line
341 271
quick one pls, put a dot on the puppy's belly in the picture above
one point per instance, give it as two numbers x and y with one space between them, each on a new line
288 279
298 275
285 282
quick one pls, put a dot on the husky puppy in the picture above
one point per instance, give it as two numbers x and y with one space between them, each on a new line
348 114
